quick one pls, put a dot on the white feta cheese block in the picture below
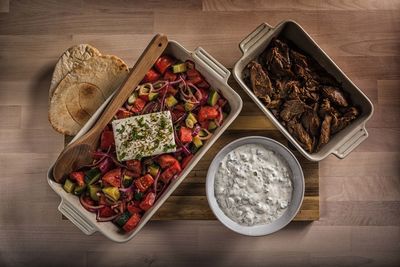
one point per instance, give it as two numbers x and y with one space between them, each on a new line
144 135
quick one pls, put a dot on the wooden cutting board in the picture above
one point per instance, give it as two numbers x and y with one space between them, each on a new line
189 201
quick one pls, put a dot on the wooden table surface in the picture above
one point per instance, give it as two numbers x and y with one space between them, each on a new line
359 196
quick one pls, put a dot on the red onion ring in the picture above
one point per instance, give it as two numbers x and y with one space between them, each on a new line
88 206
105 219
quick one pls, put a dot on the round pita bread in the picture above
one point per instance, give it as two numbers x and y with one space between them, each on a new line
70 59
83 90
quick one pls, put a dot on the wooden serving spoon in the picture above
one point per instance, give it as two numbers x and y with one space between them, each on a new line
78 154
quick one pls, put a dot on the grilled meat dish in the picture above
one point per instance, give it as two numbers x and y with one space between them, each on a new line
301 94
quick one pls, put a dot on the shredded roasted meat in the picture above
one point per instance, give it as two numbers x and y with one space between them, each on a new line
301 94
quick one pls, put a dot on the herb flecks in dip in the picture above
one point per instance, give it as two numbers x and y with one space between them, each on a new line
253 185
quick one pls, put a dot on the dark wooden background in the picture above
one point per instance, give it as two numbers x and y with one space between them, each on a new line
360 195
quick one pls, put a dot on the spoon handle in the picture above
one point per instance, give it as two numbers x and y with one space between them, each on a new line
153 51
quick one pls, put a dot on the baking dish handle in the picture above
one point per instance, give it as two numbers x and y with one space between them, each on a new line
212 63
69 211
351 143
254 37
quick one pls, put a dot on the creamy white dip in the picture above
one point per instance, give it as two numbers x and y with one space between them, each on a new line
253 185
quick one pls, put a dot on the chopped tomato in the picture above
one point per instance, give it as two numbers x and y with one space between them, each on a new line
166 160
106 139
151 76
133 208
102 199
169 173
179 107
106 212
186 160
208 113
163 63
78 177
113 177
185 135
194 76
138 105
170 76
144 182
132 222
135 166
123 113
176 113
171 90
148 201
203 84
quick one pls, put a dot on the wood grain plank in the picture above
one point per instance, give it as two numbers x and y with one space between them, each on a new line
388 92
72 23
362 164
361 213
26 164
101 6
360 188
381 140
25 93
32 140
10 117
255 5
4 6
313 21
302 238
59 258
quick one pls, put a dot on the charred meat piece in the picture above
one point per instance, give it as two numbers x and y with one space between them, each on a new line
278 64
327 109
302 72
260 82
298 59
311 122
301 135
325 131
339 124
351 113
292 109
335 95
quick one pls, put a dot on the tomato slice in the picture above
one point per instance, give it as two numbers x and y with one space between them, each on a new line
106 212
132 208
78 177
185 135
132 222
163 63
151 76
169 173
113 177
123 113
138 105
208 113
148 201
144 182
186 160
170 76
106 139
166 160
135 166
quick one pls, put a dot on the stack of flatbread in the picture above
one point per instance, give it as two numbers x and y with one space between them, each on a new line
82 80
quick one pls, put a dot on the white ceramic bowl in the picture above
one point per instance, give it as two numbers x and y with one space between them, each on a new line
297 181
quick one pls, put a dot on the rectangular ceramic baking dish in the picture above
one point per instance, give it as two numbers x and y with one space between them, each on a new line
256 42
217 75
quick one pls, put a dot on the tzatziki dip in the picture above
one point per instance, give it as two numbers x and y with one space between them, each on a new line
253 185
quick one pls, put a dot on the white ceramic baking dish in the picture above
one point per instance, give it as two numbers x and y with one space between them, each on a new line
217 75
256 42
